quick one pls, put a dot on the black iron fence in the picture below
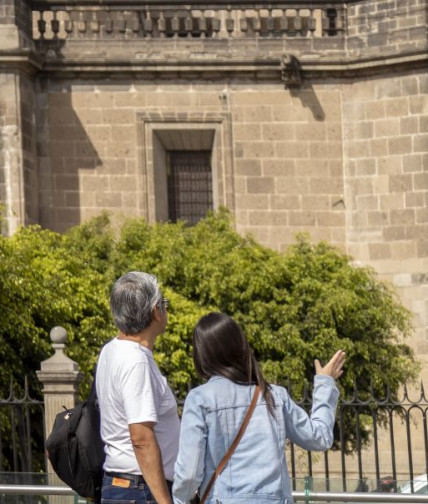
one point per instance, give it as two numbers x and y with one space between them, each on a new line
21 431
381 439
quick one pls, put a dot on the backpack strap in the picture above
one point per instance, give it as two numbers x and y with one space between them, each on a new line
233 446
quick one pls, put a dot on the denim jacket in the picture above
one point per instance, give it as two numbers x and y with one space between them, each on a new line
257 471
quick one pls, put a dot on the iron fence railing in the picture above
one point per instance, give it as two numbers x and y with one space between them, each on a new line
393 428
21 431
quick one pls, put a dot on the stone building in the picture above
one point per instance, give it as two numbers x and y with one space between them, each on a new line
295 115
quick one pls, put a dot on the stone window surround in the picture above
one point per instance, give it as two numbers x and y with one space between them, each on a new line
152 197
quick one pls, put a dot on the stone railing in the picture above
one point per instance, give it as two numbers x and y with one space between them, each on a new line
59 20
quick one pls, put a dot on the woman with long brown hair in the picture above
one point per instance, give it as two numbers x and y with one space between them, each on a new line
214 412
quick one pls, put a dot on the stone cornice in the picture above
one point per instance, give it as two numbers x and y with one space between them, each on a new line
263 69
26 61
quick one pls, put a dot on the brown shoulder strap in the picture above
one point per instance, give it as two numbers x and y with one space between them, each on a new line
233 446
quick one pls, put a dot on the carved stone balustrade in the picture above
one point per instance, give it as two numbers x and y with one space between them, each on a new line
57 20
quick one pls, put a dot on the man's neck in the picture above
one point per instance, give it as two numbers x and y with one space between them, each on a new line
144 338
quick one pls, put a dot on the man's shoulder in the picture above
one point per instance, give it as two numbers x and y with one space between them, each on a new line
125 352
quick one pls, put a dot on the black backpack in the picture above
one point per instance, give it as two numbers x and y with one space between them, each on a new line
76 450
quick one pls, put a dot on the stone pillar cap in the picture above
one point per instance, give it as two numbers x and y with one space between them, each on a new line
59 362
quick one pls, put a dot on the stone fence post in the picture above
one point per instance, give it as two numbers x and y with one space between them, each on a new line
60 377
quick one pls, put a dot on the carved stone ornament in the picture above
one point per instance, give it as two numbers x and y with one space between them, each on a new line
291 71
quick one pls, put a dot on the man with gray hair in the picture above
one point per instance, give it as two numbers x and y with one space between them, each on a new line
139 420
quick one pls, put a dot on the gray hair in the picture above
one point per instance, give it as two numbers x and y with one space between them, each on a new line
132 300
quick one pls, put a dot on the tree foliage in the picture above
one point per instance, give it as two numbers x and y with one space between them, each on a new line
294 307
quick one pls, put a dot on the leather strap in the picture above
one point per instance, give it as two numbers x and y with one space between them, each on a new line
233 446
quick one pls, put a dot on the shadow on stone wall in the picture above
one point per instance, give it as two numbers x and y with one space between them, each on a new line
65 151
309 99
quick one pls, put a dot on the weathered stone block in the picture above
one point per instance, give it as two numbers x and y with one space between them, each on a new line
248 131
284 202
260 113
261 185
297 218
368 202
312 202
400 145
252 201
412 163
248 167
422 215
406 217
278 167
258 149
279 131
400 183
327 219
108 199
415 199
290 150
393 233
378 147
420 181
296 185
379 251
365 167
316 131
420 143
387 128
268 218
94 182
422 248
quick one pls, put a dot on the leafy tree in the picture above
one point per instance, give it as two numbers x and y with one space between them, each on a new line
296 306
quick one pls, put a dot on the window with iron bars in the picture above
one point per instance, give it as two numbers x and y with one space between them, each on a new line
189 185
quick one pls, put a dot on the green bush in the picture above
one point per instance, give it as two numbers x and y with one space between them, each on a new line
297 306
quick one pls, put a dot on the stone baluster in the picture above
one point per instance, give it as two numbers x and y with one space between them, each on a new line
270 24
108 25
175 24
188 24
121 25
55 25
41 25
162 25
94 24
283 23
135 22
81 23
243 23
148 24
203 24
68 26
216 25
312 23
60 377
230 24
298 25
257 25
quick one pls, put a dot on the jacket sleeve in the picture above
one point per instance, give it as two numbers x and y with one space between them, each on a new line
189 467
314 432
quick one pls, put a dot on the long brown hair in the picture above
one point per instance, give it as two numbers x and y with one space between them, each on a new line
220 348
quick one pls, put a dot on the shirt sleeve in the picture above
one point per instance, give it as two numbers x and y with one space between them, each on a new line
139 394
189 467
314 432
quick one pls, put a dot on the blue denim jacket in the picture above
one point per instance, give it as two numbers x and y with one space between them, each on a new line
257 471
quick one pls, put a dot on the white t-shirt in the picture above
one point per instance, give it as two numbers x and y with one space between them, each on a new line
131 389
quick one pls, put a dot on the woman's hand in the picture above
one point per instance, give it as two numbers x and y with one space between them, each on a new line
334 366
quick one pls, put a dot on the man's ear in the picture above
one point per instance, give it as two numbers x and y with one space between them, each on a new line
157 315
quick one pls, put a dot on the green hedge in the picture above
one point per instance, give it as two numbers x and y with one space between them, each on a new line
294 307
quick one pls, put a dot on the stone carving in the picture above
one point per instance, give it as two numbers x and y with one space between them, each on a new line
291 72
